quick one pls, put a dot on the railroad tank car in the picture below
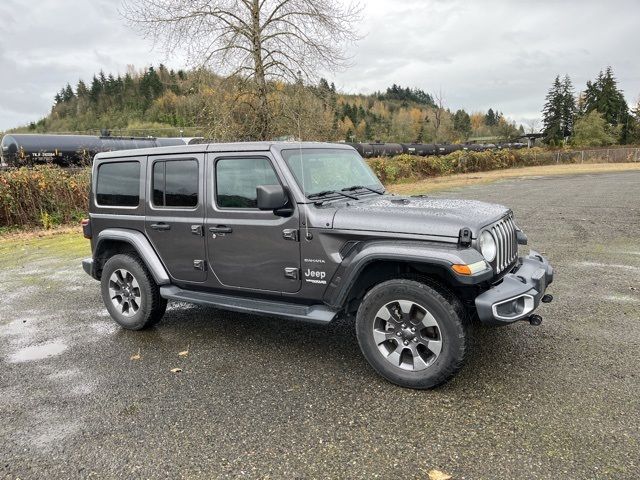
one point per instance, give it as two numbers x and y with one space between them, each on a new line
446 149
364 149
386 149
421 149
473 147
18 149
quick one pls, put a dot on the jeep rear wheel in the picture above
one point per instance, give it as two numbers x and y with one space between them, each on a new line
411 333
130 294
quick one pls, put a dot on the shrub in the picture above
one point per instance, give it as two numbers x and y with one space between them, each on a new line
410 167
43 196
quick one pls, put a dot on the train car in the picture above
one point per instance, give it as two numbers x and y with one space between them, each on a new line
19 149
446 149
421 149
473 147
364 149
386 149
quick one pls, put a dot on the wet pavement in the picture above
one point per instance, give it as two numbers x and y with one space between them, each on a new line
265 398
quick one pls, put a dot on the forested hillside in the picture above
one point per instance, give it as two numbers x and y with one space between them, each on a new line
163 102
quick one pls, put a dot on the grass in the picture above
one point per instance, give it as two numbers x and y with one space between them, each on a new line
462 180
20 248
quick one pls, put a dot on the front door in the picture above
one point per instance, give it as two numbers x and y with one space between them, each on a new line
175 214
248 248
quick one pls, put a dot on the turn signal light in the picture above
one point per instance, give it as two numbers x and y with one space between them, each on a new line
470 269
461 269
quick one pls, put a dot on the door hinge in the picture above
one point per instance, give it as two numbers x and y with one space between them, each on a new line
291 272
290 234
199 265
196 230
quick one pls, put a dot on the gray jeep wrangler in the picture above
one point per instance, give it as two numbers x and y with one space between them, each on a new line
306 232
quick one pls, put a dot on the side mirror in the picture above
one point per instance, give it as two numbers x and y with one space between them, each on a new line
271 197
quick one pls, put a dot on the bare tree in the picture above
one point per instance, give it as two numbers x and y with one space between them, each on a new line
533 125
257 40
438 112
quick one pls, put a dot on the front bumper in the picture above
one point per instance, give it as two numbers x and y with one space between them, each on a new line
519 293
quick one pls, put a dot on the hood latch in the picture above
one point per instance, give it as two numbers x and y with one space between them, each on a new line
464 237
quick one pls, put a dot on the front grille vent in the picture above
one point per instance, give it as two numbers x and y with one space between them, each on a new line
504 232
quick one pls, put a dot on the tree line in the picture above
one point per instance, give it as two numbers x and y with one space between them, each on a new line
597 116
160 101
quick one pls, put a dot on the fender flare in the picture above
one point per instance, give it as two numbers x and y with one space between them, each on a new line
142 246
429 253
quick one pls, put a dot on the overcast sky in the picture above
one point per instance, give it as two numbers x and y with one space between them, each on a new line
480 53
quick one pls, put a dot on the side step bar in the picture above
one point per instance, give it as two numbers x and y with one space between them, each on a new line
320 314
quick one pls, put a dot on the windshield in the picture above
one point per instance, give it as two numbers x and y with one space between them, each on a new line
329 169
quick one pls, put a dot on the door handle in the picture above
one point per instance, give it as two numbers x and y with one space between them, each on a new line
221 229
160 226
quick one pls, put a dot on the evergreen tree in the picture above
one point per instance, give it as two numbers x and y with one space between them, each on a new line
605 97
462 124
95 91
490 119
553 125
81 90
67 94
568 111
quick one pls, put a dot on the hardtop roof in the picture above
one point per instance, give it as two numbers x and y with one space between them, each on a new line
218 147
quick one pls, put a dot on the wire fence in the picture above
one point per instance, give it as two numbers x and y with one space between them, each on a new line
600 155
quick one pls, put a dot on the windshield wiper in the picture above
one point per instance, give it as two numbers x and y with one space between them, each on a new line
362 187
324 193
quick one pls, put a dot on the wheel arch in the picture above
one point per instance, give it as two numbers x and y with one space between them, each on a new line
113 241
376 262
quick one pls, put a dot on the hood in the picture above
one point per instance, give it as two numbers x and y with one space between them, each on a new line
417 215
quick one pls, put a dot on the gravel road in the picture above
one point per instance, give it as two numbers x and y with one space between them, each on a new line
263 398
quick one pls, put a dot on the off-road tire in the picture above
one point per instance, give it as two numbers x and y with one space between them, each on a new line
444 307
151 306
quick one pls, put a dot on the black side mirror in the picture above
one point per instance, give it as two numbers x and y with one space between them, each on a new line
271 197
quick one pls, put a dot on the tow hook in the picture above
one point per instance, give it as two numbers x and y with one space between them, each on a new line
535 320
547 298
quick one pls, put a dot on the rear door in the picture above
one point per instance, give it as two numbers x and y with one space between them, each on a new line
175 214
248 248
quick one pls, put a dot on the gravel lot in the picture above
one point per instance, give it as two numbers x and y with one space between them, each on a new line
264 398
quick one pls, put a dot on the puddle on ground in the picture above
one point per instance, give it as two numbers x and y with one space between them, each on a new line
38 352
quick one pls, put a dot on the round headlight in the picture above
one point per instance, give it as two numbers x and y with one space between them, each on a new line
487 246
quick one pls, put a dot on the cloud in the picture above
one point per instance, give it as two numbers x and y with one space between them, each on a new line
491 53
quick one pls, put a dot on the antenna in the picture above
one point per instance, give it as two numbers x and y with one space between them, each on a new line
307 236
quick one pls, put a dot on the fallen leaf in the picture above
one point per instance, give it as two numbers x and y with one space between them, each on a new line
438 475
136 356
184 353
176 370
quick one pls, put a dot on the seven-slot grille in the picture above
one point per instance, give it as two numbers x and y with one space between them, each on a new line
504 232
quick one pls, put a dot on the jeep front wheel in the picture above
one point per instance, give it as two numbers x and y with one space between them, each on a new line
412 334
130 294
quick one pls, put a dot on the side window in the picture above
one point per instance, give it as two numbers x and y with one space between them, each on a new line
237 179
118 184
175 183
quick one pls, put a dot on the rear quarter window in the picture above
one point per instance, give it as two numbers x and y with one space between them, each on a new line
118 184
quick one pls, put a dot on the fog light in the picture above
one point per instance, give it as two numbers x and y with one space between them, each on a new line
514 307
